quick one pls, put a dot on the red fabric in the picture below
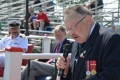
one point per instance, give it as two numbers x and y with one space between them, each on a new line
30 49
14 49
92 65
87 65
56 51
43 16
1 72
57 48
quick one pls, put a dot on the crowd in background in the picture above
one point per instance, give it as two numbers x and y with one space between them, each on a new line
38 20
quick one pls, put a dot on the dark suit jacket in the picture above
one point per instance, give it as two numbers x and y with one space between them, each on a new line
103 46
61 49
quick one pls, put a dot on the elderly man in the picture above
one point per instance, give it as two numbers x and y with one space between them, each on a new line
40 68
13 39
96 52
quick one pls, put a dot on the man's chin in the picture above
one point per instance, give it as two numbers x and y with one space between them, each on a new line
15 34
78 41
58 41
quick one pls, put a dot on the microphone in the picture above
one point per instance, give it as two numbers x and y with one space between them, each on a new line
66 50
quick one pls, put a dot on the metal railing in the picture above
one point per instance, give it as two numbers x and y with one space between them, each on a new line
103 13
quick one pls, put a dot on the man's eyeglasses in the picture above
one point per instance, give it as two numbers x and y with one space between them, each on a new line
74 27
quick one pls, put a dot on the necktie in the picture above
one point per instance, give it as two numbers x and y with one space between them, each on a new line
57 48
56 51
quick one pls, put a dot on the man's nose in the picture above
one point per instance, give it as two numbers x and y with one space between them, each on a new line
70 32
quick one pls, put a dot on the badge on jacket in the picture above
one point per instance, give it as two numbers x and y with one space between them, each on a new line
82 54
90 68
22 36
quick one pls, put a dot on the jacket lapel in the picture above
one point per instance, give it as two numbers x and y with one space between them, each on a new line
61 49
54 47
75 51
86 50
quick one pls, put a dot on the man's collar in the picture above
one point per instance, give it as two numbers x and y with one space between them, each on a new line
62 41
92 28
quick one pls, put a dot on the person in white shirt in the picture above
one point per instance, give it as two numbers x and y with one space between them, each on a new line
13 39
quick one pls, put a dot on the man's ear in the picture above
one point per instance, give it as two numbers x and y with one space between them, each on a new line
88 19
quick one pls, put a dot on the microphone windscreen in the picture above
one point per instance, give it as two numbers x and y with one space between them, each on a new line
66 47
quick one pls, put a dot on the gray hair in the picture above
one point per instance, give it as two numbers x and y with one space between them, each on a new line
59 27
79 9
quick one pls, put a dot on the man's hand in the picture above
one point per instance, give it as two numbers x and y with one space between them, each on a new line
62 64
41 20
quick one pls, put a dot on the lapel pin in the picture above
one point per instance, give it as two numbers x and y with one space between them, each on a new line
82 54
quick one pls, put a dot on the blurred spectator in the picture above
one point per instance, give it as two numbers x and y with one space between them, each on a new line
29 13
37 2
42 20
51 3
91 4
31 19
23 19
